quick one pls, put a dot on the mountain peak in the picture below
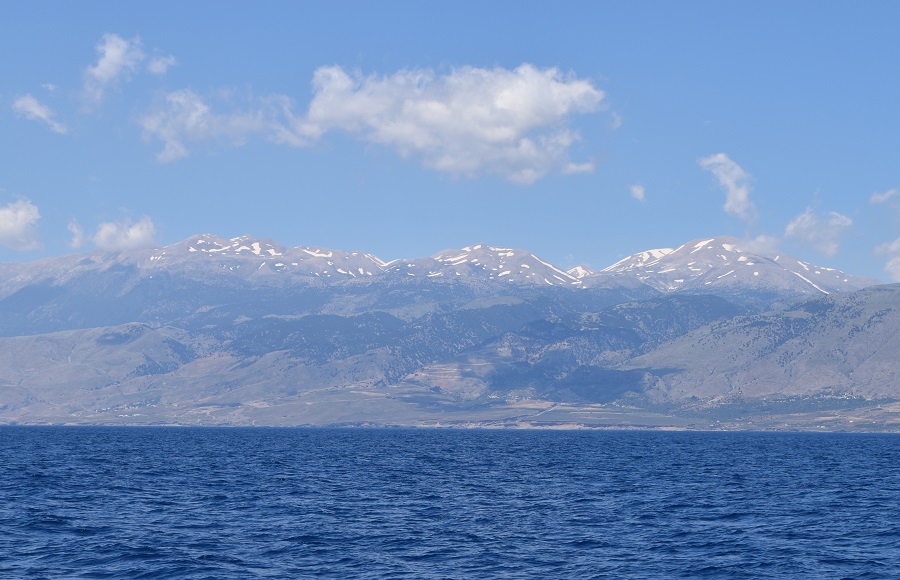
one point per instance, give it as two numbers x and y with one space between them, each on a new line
710 265
580 272
497 263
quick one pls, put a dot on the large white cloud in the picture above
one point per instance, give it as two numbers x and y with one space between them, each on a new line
821 231
466 122
118 59
511 122
125 235
30 108
735 182
18 225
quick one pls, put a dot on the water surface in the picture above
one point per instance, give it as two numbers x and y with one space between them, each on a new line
406 503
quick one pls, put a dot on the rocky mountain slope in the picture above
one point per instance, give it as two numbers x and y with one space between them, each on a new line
843 344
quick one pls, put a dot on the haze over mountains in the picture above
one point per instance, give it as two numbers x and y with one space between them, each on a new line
247 331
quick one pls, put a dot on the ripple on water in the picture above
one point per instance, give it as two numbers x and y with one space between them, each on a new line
395 503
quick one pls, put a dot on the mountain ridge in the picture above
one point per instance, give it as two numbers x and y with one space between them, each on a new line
262 256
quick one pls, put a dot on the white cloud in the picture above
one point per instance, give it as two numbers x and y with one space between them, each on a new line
49 86
892 266
30 108
184 116
469 121
125 235
77 234
881 197
616 121
18 225
118 59
160 65
637 192
736 183
822 232
763 245
573 168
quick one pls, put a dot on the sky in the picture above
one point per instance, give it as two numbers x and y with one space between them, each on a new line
580 131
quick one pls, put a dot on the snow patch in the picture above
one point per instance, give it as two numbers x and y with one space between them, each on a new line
551 266
808 281
579 272
317 253
699 245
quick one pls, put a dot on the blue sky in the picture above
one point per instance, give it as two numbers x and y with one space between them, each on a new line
582 131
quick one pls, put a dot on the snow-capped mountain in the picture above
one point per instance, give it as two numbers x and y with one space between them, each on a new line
209 257
477 261
722 264
250 255
487 263
714 265
580 272
711 265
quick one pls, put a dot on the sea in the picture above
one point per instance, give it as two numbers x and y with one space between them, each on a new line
171 502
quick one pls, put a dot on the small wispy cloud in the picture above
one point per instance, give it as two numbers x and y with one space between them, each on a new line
125 234
637 192
892 265
183 116
616 121
881 197
763 245
118 59
77 234
160 65
18 225
30 108
821 231
735 182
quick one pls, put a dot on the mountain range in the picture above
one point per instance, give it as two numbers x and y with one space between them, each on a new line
245 331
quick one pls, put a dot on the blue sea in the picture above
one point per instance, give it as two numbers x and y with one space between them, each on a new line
94 502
